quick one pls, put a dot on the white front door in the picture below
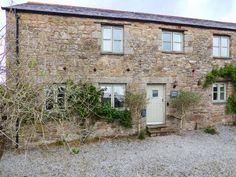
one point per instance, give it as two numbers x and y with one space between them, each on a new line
156 104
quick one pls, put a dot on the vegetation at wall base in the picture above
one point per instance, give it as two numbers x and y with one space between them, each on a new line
210 130
141 135
234 123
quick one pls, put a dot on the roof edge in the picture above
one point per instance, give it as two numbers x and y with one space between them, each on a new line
14 7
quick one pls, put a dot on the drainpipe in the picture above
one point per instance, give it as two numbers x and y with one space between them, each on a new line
17 76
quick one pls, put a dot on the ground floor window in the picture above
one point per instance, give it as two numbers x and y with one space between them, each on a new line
113 94
55 97
219 92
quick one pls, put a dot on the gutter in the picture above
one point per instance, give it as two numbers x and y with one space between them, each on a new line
17 76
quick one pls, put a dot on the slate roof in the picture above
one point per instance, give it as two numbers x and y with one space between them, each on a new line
119 15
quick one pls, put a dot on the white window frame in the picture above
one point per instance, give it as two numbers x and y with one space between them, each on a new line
219 46
112 39
218 85
172 33
54 89
112 92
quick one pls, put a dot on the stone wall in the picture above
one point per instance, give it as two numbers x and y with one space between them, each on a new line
70 48
54 132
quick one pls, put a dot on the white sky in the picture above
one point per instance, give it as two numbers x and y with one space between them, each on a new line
220 10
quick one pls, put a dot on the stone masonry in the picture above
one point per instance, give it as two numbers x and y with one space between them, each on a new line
68 47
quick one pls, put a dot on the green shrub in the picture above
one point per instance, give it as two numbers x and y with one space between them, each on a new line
141 135
75 150
234 123
60 143
110 114
210 130
83 99
231 104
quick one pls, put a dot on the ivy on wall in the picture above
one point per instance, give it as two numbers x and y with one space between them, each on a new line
227 72
84 102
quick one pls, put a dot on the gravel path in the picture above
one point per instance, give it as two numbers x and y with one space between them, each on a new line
192 154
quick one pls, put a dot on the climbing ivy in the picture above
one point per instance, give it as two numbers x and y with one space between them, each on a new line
227 72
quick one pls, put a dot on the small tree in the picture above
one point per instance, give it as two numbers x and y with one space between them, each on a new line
136 101
183 102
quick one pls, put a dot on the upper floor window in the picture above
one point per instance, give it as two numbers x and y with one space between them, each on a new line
221 46
172 41
55 97
219 92
113 94
112 39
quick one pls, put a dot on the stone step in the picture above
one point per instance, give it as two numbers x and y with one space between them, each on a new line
160 131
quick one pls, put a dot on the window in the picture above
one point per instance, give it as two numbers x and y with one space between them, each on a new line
172 41
112 39
55 97
219 92
220 46
113 94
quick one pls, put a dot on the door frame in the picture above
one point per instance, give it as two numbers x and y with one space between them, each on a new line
164 93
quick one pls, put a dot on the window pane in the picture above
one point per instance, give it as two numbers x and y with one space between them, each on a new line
166 46
117 34
215 88
166 36
107 33
224 52
224 41
222 96
107 46
118 47
216 41
106 98
119 95
216 51
61 97
177 47
177 37
222 88
215 96
49 99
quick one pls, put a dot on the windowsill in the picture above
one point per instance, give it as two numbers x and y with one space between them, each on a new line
219 103
119 54
222 58
173 52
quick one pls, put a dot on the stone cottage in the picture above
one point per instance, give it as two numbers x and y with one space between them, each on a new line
163 54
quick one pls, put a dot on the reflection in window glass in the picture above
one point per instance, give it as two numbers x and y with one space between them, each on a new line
119 95
107 33
166 37
55 97
106 98
113 94
49 98
166 46
118 34
117 46
177 37
61 97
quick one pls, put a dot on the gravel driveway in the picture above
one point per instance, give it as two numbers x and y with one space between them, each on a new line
191 154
